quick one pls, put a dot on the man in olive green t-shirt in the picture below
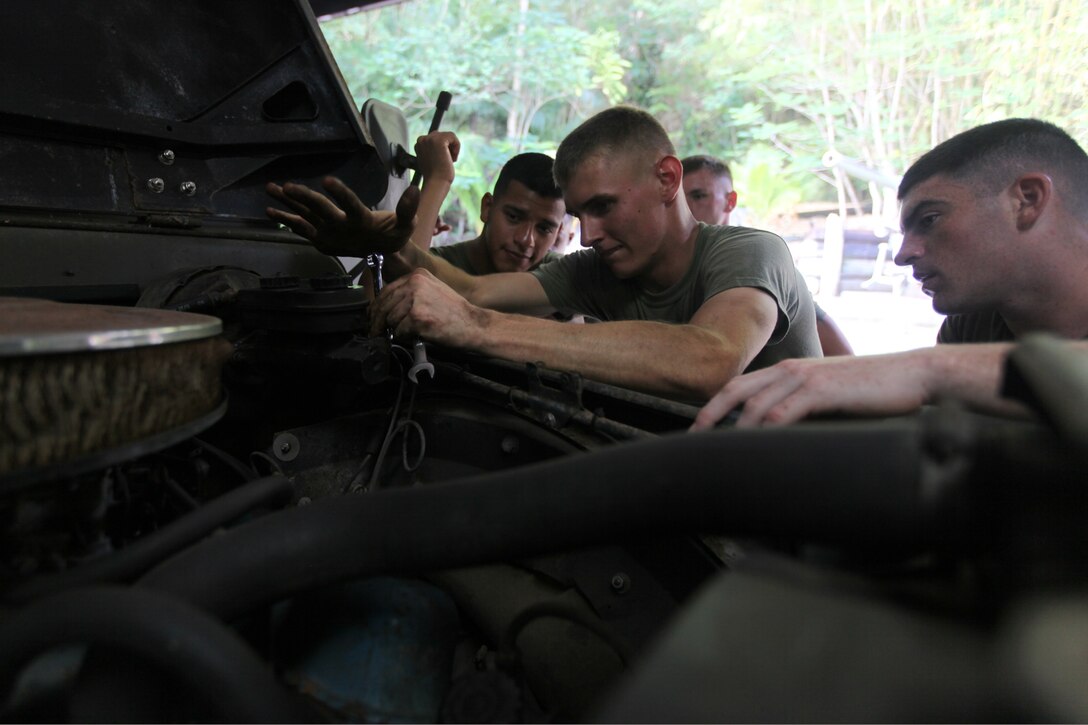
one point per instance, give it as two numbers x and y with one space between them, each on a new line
522 217
995 227
621 177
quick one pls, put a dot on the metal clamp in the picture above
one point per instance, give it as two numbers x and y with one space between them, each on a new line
420 364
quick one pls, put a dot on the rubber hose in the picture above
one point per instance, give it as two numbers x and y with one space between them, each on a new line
838 483
200 652
135 559
1051 378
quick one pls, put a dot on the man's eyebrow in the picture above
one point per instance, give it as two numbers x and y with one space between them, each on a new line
912 218
594 201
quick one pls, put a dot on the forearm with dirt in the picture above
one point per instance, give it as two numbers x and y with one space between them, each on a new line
411 257
684 362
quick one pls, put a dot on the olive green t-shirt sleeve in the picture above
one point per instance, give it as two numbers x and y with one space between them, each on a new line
754 258
568 280
457 255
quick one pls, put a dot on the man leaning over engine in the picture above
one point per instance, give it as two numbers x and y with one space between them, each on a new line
684 306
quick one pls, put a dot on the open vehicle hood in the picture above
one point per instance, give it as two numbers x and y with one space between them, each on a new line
97 101
137 138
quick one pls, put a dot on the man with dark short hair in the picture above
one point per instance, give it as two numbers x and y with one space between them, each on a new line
684 307
522 216
995 225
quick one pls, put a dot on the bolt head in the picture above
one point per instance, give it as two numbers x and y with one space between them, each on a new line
166 157
188 188
156 185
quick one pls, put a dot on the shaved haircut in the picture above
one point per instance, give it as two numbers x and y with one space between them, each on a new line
531 169
618 130
991 156
716 167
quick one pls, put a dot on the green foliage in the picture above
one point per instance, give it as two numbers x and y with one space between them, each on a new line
471 182
518 74
502 62
770 187
884 81
768 88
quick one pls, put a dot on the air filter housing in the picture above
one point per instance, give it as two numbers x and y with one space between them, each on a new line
78 382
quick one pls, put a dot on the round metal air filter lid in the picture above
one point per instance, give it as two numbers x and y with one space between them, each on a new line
40 327
85 386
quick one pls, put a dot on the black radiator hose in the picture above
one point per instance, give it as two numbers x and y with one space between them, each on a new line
858 482
195 650
135 559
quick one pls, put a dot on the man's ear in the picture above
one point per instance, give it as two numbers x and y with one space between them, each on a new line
485 206
1032 194
670 172
730 201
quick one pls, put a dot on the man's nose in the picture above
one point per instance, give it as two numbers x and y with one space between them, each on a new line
523 235
909 250
590 231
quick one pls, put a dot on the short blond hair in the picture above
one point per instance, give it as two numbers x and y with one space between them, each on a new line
621 129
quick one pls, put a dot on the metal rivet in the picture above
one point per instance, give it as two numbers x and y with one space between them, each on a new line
551 420
620 583
156 185
286 447
166 157
188 188
510 444
304 501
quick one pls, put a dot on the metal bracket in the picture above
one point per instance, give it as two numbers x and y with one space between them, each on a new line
569 395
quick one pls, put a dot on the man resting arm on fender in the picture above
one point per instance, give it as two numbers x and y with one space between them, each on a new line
995 225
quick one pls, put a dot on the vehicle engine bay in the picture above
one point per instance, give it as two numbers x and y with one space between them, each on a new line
223 500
